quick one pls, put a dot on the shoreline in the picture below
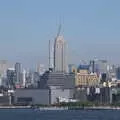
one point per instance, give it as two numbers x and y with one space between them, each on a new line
62 108
15 107
102 108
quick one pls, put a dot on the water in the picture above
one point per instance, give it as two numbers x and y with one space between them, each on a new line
29 114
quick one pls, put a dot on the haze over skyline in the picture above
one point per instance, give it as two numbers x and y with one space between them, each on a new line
91 29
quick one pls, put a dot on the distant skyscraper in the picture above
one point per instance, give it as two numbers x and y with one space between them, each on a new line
99 66
11 77
60 64
118 73
23 78
51 54
92 66
3 67
18 73
40 68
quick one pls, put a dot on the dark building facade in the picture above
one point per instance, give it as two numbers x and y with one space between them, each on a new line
101 95
32 96
64 80
92 66
11 78
18 73
41 96
118 73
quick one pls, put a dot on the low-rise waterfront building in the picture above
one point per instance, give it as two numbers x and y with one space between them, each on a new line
57 92
32 96
41 96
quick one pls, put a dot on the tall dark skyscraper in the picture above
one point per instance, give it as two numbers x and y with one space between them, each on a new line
118 73
11 77
18 72
92 66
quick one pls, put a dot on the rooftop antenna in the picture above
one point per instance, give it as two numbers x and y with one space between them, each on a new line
58 33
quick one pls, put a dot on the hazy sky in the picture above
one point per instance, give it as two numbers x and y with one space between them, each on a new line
90 27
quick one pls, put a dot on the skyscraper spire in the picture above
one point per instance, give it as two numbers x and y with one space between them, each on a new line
59 30
60 53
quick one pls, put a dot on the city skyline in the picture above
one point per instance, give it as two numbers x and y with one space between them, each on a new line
91 29
59 55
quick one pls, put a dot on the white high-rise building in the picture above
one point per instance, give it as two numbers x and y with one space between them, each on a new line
3 67
24 78
40 68
60 62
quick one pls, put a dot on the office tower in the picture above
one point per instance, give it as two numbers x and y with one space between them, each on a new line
92 66
11 77
101 66
30 79
18 73
1 81
51 58
36 78
23 78
118 73
103 77
3 67
40 68
60 64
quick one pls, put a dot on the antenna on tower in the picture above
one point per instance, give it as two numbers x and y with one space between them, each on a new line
59 29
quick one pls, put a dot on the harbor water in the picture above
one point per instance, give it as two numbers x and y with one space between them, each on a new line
32 114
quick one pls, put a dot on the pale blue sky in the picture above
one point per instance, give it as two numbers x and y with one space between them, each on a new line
90 27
